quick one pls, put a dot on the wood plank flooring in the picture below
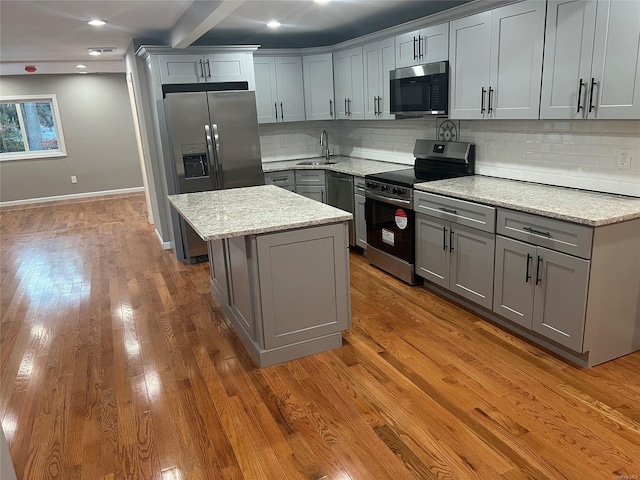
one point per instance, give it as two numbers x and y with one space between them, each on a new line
116 364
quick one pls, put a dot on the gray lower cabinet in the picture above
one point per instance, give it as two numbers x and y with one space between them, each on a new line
285 179
456 257
542 290
286 293
311 184
313 192
360 221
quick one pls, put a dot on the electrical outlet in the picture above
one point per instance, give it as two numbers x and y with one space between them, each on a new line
74 179
283 142
624 159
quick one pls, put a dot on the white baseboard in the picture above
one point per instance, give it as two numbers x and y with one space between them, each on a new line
72 196
163 244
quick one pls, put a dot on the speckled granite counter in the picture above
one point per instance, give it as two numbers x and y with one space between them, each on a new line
578 206
252 210
358 167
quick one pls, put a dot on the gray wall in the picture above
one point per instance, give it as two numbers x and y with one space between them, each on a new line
99 134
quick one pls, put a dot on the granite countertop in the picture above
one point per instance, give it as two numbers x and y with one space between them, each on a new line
252 210
578 206
358 167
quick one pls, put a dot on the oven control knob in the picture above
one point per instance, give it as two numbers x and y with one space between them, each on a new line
384 188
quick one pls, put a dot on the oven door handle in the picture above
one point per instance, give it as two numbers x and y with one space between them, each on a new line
391 201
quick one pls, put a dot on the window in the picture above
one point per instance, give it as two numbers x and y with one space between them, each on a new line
30 128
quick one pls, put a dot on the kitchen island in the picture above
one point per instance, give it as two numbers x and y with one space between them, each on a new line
279 267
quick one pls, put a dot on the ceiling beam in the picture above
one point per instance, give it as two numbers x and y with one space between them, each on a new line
198 19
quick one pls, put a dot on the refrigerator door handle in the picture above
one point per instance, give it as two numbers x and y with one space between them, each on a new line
216 153
211 153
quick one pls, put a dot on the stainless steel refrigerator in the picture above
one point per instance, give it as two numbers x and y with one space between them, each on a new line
216 145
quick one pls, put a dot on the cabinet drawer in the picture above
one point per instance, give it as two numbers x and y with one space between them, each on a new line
474 215
310 177
358 185
554 234
280 179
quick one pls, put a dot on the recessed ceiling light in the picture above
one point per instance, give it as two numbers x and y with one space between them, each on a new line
83 73
273 24
96 22
95 52
322 1
81 66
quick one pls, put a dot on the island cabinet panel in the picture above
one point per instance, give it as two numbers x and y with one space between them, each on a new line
241 285
218 267
312 299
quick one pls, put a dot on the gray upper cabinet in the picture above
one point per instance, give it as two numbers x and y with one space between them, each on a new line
496 63
379 59
456 257
349 84
206 68
592 60
279 89
430 44
317 72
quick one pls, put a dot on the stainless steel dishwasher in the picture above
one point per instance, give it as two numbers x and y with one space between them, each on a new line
340 195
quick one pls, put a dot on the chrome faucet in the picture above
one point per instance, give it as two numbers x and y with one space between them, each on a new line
324 141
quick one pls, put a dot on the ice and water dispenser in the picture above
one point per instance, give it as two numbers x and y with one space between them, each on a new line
194 159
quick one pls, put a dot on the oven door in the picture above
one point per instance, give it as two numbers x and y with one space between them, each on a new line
390 226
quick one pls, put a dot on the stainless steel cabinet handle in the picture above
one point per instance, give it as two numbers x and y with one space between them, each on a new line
448 210
538 279
451 240
281 112
346 110
591 105
322 196
375 105
580 95
208 69
482 109
349 104
331 108
415 55
490 108
201 69
537 232
420 46
444 239
275 105
527 276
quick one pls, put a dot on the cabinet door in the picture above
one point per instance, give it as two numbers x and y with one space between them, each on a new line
290 88
470 56
318 86
240 282
517 37
616 61
342 84
432 249
360 222
218 267
514 281
229 67
181 69
567 58
266 90
434 44
406 49
561 298
387 62
372 80
315 193
471 269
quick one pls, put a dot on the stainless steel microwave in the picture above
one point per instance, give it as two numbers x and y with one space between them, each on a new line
420 90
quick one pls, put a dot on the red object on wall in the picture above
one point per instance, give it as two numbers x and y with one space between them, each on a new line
30 68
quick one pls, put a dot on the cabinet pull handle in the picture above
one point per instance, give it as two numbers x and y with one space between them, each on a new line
281 112
451 240
415 55
582 84
538 279
537 232
490 108
375 105
208 69
444 238
349 103
448 210
331 108
322 196
201 69
275 105
419 46
527 276
591 105
482 109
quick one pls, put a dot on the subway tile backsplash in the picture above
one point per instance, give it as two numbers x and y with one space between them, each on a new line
579 154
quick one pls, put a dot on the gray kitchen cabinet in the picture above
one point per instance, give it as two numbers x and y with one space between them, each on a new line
428 45
456 257
379 59
496 63
312 184
318 193
317 71
591 60
349 84
279 89
542 290
218 263
285 179
206 67
359 213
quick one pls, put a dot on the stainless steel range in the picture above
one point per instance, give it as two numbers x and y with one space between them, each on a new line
389 203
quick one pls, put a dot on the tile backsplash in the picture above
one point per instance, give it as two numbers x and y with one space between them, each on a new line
579 154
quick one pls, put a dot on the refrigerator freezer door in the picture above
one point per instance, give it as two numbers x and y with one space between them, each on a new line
237 138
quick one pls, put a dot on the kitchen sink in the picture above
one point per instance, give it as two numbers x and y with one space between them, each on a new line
318 161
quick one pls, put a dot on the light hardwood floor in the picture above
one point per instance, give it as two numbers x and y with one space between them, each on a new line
116 364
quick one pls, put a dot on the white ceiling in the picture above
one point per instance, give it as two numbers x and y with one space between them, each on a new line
53 35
